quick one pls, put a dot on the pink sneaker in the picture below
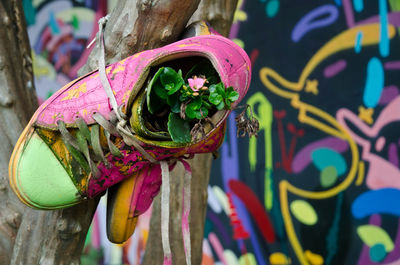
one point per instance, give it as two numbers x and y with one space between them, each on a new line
72 149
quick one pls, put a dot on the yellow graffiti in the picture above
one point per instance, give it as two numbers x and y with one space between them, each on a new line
278 258
239 15
365 114
314 259
361 172
75 92
264 117
239 43
312 86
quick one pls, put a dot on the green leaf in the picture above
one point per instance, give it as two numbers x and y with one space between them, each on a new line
227 104
196 104
233 96
190 112
175 89
221 105
220 88
173 102
215 98
202 113
160 90
171 80
169 86
212 89
169 76
207 105
179 129
229 89
154 102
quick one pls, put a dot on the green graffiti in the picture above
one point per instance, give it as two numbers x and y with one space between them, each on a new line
262 111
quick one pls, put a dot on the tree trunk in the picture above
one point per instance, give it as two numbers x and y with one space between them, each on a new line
30 236
220 15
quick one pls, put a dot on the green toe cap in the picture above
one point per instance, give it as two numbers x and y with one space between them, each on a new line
41 179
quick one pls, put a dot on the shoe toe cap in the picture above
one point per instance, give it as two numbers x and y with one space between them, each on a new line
39 179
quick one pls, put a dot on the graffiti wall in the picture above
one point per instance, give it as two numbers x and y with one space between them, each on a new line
321 183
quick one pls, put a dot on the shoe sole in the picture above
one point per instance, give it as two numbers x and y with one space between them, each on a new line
121 204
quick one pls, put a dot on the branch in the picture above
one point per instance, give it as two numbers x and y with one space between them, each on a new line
142 25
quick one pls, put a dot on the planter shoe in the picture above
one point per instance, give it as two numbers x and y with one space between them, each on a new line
75 146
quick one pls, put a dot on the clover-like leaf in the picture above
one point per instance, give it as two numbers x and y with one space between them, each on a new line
215 98
233 96
213 89
196 104
179 129
221 89
171 80
221 105
190 111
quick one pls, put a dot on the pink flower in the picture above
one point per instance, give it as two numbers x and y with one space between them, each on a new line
196 83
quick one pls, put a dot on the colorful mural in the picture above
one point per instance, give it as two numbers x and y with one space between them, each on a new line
321 183
327 155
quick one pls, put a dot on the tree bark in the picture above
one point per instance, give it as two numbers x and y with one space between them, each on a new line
30 236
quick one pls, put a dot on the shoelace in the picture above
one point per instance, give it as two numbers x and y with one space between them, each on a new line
118 126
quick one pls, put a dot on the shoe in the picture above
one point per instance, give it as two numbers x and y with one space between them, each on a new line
71 150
